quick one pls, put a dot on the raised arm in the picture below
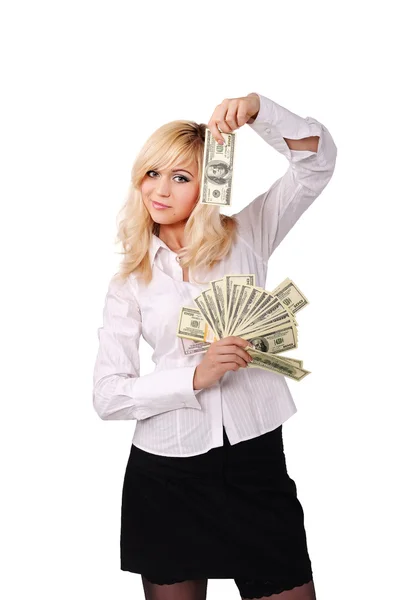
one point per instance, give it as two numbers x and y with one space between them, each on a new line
119 392
311 152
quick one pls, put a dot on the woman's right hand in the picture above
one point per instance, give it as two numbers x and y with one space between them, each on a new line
223 355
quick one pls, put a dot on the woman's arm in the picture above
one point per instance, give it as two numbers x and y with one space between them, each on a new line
307 143
310 143
119 392
311 152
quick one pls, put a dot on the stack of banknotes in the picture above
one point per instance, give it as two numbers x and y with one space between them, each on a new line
234 305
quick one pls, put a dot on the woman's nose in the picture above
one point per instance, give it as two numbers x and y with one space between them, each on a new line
162 187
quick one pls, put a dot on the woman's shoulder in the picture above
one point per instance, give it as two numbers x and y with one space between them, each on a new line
123 284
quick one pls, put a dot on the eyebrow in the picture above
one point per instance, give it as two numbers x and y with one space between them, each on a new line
175 171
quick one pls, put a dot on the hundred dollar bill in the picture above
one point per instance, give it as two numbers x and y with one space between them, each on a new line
207 305
192 325
230 295
217 171
191 347
217 286
280 340
201 305
290 295
294 361
276 364
210 301
242 296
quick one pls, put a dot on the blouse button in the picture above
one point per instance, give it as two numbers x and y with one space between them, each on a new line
267 130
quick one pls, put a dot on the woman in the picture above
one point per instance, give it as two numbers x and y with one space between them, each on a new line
206 493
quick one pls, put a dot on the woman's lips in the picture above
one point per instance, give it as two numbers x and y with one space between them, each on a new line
158 205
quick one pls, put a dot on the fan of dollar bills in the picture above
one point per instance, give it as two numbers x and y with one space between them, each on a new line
234 305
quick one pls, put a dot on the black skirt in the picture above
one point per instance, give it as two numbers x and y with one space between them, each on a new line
231 512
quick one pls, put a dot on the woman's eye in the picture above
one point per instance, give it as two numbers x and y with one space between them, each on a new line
179 176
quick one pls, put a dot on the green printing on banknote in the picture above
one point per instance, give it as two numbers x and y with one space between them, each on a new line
217 170
234 305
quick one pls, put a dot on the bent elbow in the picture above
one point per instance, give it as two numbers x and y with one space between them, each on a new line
112 400
100 404
103 397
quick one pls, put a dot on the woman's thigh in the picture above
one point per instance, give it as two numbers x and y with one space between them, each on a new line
195 589
255 588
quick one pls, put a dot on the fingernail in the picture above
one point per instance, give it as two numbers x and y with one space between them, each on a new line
222 141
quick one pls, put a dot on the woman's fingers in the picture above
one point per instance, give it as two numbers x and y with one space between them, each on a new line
232 358
215 132
227 350
228 116
232 113
218 121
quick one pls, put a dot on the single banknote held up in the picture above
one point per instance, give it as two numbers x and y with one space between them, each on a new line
218 166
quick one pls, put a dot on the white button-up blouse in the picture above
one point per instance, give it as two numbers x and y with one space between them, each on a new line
172 418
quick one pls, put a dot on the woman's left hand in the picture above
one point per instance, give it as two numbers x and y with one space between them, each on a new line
232 113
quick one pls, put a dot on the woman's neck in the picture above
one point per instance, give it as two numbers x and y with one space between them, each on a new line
172 236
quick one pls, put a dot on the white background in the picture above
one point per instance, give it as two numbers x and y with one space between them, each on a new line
84 85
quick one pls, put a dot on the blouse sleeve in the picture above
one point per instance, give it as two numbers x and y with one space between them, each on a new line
119 392
265 222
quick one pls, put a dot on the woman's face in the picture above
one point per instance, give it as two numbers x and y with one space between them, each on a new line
178 188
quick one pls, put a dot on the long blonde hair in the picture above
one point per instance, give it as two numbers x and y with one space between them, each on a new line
208 235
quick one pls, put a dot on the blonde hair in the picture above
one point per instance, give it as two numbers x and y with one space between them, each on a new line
208 235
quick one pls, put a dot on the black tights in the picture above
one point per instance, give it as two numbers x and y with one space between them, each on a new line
196 589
